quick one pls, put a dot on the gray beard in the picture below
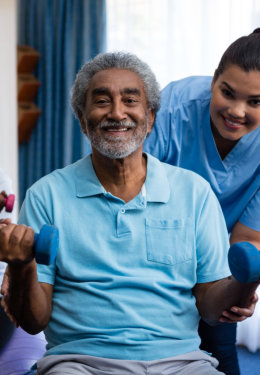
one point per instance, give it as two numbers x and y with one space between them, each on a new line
116 149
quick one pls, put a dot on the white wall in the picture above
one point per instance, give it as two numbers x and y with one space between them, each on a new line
8 94
178 38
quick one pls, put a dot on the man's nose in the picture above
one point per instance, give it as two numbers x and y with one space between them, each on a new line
237 110
117 111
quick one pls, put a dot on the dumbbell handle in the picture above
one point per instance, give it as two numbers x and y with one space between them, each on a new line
9 202
46 244
244 262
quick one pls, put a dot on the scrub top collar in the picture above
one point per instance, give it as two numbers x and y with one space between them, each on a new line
156 188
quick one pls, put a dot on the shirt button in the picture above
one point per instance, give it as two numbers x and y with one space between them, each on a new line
122 211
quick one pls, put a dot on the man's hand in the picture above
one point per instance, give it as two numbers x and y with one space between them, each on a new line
16 243
238 314
26 301
4 292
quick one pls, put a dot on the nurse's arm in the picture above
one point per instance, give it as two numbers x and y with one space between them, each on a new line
213 298
242 233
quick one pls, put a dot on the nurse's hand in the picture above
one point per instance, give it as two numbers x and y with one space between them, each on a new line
3 195
238 314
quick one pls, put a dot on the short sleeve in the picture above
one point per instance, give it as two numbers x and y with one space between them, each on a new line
212 242
34 214
251 215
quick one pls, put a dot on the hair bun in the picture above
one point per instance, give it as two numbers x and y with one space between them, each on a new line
256 31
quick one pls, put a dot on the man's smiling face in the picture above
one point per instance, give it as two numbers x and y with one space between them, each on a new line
117 118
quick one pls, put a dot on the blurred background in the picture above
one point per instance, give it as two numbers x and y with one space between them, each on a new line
177 38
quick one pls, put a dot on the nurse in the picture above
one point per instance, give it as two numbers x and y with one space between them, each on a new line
211 126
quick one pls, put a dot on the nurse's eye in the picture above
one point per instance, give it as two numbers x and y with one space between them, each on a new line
227 93
254 102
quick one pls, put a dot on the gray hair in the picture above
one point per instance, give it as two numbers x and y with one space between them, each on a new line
118 60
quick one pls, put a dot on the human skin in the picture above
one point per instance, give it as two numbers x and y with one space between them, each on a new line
235 112
2 199
235 103
122 98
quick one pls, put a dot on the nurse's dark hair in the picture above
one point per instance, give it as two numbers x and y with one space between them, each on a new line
243 52
114 60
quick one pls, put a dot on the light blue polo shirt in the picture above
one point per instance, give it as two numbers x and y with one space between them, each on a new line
182 136
124 272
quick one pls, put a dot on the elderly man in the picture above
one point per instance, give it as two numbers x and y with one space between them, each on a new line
142 244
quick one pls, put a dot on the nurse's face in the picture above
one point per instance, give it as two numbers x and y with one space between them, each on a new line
235 103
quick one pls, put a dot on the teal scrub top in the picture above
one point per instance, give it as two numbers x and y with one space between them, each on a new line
182 136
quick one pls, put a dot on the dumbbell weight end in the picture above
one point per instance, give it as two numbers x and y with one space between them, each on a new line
9 202
244 262
46 244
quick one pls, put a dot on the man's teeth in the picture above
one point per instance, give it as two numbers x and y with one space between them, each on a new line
117 130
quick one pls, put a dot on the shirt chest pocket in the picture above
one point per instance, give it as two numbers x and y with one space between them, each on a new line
169 241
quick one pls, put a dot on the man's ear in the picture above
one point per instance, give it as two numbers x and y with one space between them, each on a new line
82 124
151 118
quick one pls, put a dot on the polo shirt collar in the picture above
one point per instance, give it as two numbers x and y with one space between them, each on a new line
87 183
156 183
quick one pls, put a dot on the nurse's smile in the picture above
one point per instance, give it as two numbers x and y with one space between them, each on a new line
233 124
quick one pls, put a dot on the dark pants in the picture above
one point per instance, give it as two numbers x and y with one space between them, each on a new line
6 328
220 340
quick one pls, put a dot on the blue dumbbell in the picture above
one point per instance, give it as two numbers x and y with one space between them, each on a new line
46 244
244 262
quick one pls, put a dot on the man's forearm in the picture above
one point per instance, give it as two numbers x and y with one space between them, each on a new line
25 298
221 295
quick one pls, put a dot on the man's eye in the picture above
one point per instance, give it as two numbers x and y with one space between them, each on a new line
101 101
130 100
